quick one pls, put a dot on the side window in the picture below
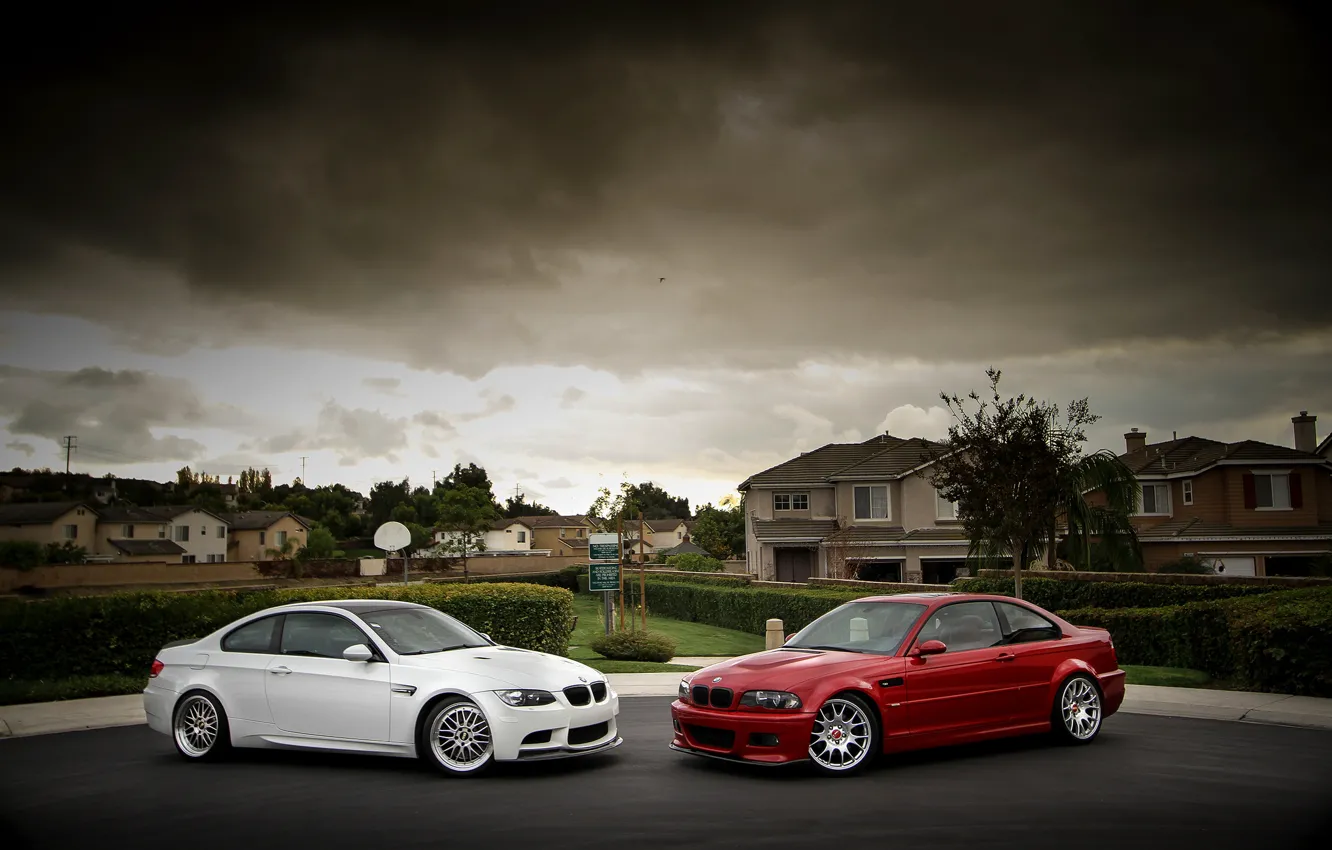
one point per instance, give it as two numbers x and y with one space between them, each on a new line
252 637
963 626
320 635
1025 625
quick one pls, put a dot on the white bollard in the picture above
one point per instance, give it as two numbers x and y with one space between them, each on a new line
775 636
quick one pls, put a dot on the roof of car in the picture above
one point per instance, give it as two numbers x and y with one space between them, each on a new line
355 605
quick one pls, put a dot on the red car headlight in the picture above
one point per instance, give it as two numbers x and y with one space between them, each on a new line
776 700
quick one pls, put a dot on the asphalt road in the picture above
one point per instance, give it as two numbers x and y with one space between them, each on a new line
1147 782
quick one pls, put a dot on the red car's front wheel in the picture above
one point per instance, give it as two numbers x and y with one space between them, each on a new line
845 736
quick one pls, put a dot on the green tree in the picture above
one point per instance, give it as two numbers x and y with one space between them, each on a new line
656 503
721 531
320 545
1098 496
517 506
1005 466
384 497
464 477
465 515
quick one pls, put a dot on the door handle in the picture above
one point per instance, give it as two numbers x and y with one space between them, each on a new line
1005 656
280 671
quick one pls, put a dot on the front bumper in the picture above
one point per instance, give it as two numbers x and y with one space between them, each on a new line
558 730
759 737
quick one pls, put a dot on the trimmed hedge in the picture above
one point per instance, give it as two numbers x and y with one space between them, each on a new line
566 578
745 609
635 646
121 633
1057 595
1277 642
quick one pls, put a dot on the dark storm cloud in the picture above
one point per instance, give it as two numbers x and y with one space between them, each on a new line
354 434
506 183
113 414
18 446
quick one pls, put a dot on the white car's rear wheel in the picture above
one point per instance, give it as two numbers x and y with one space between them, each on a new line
457 737
199 727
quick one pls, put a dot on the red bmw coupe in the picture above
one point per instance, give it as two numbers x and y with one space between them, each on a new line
886 674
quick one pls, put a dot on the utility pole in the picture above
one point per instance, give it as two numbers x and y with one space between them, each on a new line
619 536
642 570
303 459
432 480
70 444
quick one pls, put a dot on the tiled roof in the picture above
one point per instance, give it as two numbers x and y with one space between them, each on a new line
148 547
685 548
939 534
780 529
258 520
555 521
903 457
815 467
128 514
1191 529
868 534
500 524
38 513
574 542
656 525
1325 445
1194 454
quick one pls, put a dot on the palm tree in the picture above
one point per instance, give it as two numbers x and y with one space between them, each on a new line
1102 472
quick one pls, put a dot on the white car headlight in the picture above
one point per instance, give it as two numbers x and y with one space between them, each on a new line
523 698
770 699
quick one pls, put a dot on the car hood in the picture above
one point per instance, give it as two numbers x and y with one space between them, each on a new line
782 669
509 666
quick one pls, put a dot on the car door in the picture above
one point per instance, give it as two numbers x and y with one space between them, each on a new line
312 690
1038 648
241 667
968 688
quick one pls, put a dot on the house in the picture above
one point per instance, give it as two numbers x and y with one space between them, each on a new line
202 534
122 528
50 522
503 536
1248 508
562 535
686 547
251 534
844 510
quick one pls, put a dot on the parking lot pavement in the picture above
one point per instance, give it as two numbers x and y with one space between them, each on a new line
1146 782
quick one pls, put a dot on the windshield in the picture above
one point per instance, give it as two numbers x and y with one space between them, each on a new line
417 631
877 628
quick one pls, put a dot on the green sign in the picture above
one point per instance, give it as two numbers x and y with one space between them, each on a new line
603 547
603 577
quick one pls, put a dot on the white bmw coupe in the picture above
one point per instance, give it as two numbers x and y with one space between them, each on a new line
376 676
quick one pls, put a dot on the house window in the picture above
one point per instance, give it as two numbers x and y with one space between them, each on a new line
522 537
70 532
182 533
203 531
1273 490
161 531
127 531
187 559
1155 499
1188 492
280 538
221 531
944 509
578 533
81 512
872 502
790 502
262 536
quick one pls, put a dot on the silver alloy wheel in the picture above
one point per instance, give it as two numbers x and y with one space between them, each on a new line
841 736
197 726
460 737
1080 707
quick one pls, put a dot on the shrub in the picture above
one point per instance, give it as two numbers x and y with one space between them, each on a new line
736 606
634 646
121 633
1188 565
1274 642
22 554
1061 594
692 562
566 578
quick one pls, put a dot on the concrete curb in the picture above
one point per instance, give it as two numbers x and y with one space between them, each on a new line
21 721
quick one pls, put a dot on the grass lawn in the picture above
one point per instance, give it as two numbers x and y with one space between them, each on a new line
1169 677
605 665
16 692
690 638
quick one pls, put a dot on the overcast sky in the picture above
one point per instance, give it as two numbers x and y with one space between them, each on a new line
390 244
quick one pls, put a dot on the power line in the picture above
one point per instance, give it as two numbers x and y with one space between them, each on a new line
303 459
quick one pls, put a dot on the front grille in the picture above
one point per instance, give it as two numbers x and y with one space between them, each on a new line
700 694
706 736
578 695
588 734
762 739
599 691
538 738
721 697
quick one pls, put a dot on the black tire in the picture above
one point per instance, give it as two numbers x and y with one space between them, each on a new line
845 737
456 738
1075 717
199 727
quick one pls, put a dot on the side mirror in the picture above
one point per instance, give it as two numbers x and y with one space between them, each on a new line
787 639
487 637
929 647
358 652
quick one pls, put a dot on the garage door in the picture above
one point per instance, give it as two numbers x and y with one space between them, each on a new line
1235 566
794 564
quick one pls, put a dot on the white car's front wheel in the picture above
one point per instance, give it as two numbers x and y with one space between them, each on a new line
457 737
